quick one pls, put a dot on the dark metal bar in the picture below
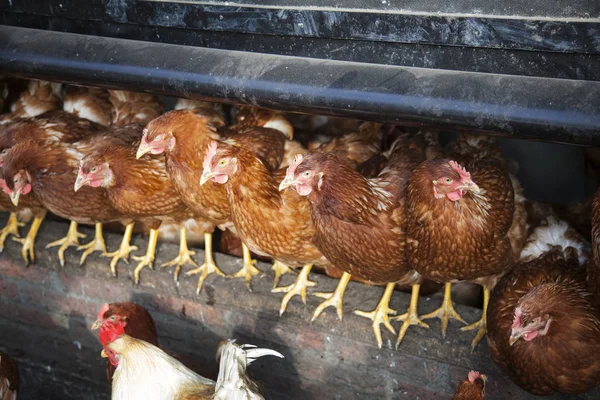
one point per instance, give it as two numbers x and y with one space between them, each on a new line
559 110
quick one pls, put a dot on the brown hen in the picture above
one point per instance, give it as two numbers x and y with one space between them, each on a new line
350 211
458 225
543 327
472 388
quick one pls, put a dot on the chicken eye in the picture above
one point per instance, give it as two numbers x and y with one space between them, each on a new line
94 170
3 152
306 173
16 180
113 318
447 181
532 322
222 162
159 137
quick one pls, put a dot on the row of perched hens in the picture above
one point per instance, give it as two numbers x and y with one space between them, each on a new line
139 369
271 223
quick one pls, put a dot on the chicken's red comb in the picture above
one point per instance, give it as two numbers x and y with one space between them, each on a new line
460 169
211 150
110 332
105 307
292 168
473 376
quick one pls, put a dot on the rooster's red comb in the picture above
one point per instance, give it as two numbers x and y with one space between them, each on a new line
105 307
211 150
460 169
291 171
473 376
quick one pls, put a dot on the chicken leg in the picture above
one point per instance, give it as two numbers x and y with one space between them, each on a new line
209 265
148 259
184 256
411 317
97 244
280 269
72 239
28 241
481 325
248 270
11 228
297 288
446 311
380 314
124 249
333 299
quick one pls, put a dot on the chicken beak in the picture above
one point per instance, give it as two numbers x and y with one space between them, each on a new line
287 182
207 175
79 182
470 186
513 338
103 354
143 149
14 196
97 324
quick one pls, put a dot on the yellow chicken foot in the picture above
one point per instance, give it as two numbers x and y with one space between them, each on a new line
333 299
248 270
184 256
72 239
411 317
148 259
97 244
297 288
280 269
11 228
481 325
209 265
124 249
380 314
446 311
28 241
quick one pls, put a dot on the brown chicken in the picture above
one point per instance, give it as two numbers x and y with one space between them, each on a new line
88 103
594 266
9 378
472 388
350 211
136 320
133 107
145 372
183 137
458 224
138 189
38 98
543 327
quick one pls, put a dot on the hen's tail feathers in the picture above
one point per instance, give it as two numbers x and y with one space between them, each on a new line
232 382
555 233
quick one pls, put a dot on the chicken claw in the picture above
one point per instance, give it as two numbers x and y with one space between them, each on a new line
297 288
411 317
11 228
209 265
72 239
184 256
248 270
333 299
481 325
148 259
97 244
446 311
280 269
380 314
124 249
28 242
